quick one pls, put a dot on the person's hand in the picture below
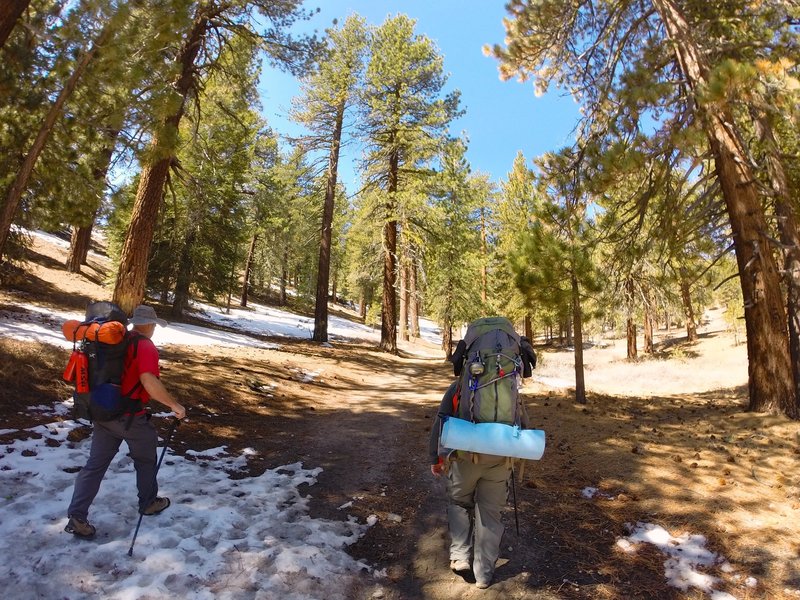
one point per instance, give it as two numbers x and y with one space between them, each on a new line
437 469
179 410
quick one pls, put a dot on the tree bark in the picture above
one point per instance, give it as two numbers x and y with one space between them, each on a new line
688 309
447 339
528 327
362 305
132 276
13 195
248 269
771 384
413 307
79 243
184 278
632 352
324 263
648 329
577 326
10 12
403 319
389 301
790 240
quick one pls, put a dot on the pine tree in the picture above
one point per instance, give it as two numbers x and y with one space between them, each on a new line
327 93
404 116
212 26
624 56
553 267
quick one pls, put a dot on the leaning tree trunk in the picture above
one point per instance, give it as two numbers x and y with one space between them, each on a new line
389 301
790 239
13 195
10 12
769 365
324 263
577 325
132 275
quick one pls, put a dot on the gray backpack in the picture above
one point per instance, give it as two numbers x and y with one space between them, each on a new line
489 364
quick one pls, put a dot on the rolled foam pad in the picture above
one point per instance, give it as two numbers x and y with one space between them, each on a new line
493 438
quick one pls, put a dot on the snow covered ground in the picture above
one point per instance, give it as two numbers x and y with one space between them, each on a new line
222 538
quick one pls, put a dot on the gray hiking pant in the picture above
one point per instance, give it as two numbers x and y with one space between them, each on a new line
477 493
142 440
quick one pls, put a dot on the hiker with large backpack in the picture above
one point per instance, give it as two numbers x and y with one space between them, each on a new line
120 378
488 364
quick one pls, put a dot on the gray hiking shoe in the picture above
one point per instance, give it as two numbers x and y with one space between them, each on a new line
156 506
80 528
482 585
460 565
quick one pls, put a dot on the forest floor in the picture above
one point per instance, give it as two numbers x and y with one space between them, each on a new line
665 440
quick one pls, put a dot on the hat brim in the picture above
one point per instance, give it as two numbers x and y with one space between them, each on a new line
147 321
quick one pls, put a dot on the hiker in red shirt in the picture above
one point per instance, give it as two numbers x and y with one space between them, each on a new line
141 376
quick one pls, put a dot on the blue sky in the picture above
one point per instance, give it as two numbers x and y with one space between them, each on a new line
501 118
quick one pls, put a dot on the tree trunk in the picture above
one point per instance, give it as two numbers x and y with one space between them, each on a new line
577 325
284 276
324 263
631 336
403 319
528 327
688 309
82 234
447 339
132 276
389 302
648 329
769 365
362 304
413 306
184 278
790 239
248 269
10 12
79 243
13 195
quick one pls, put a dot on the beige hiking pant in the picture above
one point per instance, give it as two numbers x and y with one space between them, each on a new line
477 492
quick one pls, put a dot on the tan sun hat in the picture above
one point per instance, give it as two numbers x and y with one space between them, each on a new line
146 315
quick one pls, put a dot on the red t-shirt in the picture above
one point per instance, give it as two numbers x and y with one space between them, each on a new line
145 361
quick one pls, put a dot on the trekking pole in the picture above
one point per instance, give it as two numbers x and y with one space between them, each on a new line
514 496
158 466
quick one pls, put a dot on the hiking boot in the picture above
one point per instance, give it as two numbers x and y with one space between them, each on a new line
156 506
460 565
482 585
80 528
